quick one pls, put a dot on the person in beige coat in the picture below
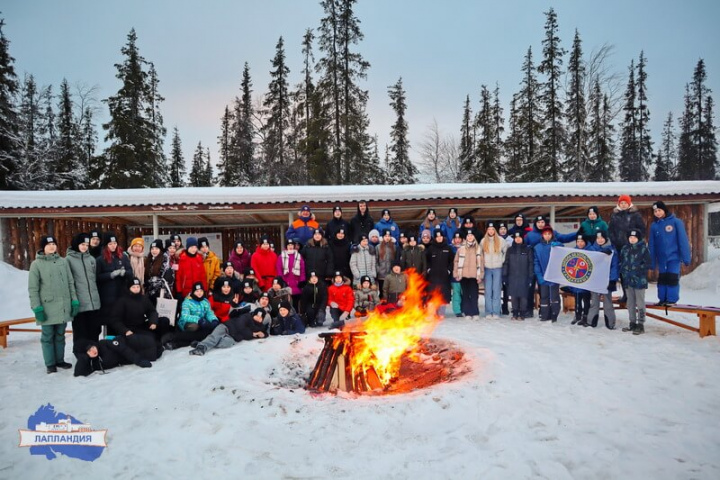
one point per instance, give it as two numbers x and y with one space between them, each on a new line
469 271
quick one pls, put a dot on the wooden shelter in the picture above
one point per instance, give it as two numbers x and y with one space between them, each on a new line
248 212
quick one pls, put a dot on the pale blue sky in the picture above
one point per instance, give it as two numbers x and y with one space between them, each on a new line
444 50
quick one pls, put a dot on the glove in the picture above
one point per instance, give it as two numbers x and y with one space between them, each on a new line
607 252
344 316
122 271
612 286
117 273
40 314
333 305
214 324
74 308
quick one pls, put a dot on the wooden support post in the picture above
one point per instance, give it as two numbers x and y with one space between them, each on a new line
707 324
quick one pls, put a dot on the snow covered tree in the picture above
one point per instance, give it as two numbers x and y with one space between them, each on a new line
401 171
177 161
601 146
645 151
631 170
667 154
133 157
487 150
9 137
199 171
208 177
71 171
241 161
529 126
576 162
277 108
88 143
226 172
513 145
467 142
697 150
31 169
158 131
553 130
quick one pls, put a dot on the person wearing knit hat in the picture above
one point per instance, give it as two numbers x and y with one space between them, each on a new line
336 223
413 256
386 254
669 247
340 300
53 300
439 268
374 237
430 222
451 224
386 223
287 322
95 242
318 256
395 284
240 256
493 249
154 260
634 263
263 262
468 271
625 217
197 314
302 229
361 223
520 224
549 291
113 273
592 224
246 326
603 245
83 267
136 253
518 275
211 262
314 300
366 297
290 265
190 270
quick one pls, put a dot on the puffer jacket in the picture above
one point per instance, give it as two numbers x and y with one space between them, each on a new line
50 285
395 284
590 228
470 267
541 252
622 222
263 262
197 311
318 258
494 259
190 270
668 242
414 257
211 263
83 268
362 262
388 225
366 299
635 262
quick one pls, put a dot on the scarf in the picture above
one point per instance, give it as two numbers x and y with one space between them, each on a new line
286 262
478 257
137 261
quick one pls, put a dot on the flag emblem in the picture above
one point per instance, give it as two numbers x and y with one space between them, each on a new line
576 267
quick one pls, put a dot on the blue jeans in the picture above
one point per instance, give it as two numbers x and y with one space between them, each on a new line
493 291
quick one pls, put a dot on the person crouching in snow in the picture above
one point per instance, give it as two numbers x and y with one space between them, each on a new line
287 322
106 354
314 301
602 244
340 299
366 297
223 300
197 314
669 246
635 262
247 326
549 291
53 301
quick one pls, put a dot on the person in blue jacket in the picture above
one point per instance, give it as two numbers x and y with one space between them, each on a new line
303 227
386 223
534 236
451 224
602 244
287 322
549 291
669 246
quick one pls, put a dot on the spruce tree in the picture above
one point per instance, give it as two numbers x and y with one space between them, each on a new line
487 151
529 125
71 171
402 171
225 170
576 163
9 128
208 177
601 165
553 133
630 166
198 171
498 130
665 165
467 146
242 143
645 155
133 157
88 143
177 161
160 169
277 105
513 145
30 172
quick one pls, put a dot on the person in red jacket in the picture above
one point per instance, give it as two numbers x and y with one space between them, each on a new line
223 300
190 269
263 262
341 300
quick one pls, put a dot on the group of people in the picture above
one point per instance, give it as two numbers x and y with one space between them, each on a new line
349 268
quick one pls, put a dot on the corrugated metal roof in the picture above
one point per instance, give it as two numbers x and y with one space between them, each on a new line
342 193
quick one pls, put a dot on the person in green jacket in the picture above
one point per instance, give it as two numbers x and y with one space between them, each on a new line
593 224
53 301
86 324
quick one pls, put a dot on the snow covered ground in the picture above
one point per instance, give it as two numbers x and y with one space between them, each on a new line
543 401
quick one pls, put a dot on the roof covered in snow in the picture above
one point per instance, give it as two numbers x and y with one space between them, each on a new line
348 193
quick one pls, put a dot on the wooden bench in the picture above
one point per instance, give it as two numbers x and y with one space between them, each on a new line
5 328
706 315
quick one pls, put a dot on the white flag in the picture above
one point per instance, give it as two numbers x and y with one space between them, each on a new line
579 268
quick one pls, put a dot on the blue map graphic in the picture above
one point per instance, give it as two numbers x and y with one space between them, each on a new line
47 414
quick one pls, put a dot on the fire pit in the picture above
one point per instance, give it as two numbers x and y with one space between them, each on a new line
389 352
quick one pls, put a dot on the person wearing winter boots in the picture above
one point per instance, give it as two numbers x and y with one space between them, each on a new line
113 274
518 273
83 267
494 248
592 224
263 261
291 267
635 262
247 326
53 300
439 268
340 299
602 244
549 291
468 269
287 322
302 229
314 301
669 246
582 297
386 223
366 297
336 224
505 298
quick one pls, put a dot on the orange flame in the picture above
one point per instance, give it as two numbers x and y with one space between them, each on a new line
379 342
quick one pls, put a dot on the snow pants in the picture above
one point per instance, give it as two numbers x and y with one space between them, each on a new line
52 340
668 284
549 301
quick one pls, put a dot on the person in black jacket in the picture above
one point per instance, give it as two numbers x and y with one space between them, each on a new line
518 274
247 326
341 252
114 272
133 313
314 301
318 256
361 223
439 267
336 223
625 218
106 354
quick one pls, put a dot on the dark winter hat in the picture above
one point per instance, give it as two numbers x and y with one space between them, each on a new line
313 274
305 208
491 224
601 233
95 234
176 237
520 215
238 243
109 237
47 239
264 239
285 304
157 243
384 212
438 233
290 242
502 224
228 264
540 218
78 239
225 283
635 233
431 210
364 279
337 273
548 229
191 242
318 231
259 311
402 235
280 281
660 205
247 285
135 281
458 235
265 295
453 210
337 208
197 286
397 263
386 232
203 242
579 237
249 272
412 238
168 242
341 230
593 210
519 235
468 220
363 237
